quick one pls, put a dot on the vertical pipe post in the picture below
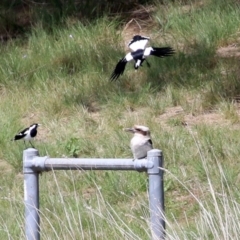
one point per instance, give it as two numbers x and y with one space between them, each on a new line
31 195
156 194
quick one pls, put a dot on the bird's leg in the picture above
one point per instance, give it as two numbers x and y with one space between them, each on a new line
31 144
148 64
142 61
25 144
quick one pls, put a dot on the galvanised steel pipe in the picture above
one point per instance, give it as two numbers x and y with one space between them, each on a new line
156 194
33 165
31 195
46 163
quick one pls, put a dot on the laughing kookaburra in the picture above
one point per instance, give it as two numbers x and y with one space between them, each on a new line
141 142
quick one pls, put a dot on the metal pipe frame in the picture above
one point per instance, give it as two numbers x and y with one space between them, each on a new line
33 165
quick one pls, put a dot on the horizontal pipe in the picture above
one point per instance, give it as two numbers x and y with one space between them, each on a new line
46 163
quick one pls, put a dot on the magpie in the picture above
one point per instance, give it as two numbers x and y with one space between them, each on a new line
27 134
141 142
138 53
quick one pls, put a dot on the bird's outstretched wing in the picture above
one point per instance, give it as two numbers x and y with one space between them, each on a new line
138 42
119 69
159 52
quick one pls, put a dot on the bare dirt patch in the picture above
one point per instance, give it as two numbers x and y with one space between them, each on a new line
229 51
140 24
210 118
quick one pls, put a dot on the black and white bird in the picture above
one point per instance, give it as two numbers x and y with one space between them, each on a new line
27 134
141 142
139 54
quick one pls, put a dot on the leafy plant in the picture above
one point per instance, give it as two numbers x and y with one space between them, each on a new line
72 147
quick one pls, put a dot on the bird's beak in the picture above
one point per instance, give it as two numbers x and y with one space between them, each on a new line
132 130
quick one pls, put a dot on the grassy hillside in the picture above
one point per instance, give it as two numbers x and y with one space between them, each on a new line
190 101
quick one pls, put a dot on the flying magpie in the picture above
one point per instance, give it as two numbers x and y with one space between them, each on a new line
139 54
141 142
27 134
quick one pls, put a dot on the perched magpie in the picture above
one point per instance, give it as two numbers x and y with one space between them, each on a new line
141 142
27 134
139 54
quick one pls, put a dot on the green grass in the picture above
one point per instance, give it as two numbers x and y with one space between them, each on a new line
61 80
